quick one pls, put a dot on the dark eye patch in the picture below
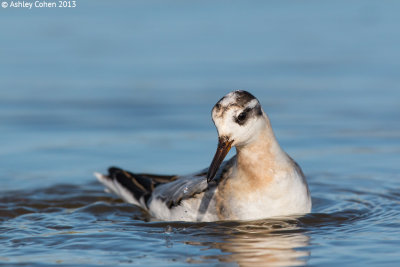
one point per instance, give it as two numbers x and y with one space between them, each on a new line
242 117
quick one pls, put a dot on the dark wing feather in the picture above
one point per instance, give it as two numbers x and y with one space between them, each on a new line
188 186
171 189
140 185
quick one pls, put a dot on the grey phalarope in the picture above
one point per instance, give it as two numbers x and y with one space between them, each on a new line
260 181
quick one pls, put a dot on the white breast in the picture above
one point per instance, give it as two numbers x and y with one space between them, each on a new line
286 195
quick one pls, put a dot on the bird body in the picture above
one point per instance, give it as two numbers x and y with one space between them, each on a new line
260 181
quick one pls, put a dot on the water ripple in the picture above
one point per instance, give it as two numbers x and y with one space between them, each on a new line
84 218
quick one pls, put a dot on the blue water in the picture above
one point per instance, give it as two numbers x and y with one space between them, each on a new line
132 84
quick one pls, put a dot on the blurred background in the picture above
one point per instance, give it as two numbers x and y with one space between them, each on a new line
132 84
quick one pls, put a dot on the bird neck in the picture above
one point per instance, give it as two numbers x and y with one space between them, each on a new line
263 156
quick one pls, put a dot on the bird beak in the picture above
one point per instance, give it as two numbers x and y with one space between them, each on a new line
224 145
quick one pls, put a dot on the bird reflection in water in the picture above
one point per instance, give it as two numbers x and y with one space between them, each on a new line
261 243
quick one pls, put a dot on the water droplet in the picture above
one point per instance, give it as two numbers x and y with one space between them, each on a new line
186 190
168 229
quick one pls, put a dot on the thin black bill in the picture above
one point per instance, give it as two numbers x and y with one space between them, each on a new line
224 145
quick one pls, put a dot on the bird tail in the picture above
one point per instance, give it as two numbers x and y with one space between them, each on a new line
132 188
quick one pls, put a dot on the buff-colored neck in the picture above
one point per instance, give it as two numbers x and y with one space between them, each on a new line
263 157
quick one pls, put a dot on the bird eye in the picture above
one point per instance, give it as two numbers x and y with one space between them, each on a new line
242 116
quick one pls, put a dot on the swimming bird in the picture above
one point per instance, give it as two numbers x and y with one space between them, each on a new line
260 181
